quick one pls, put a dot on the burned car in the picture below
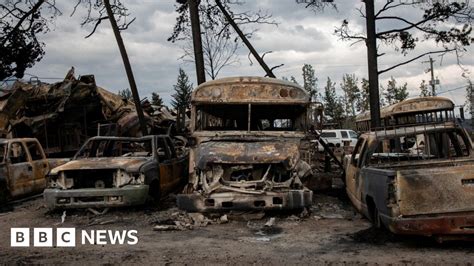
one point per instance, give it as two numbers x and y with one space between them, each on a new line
117 171
415 179
248 139
23 168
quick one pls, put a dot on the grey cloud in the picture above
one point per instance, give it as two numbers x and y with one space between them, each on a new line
303 36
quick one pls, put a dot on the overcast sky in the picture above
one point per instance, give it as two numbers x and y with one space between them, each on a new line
302 36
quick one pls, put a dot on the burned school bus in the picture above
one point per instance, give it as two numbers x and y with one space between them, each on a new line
415 178
248 139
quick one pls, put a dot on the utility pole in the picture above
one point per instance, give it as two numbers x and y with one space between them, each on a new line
371 43
433 86
128 68
433 81
197 43
245 40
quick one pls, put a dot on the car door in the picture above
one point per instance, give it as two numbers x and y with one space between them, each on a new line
179 164
353 167
39 164
166 165
20 170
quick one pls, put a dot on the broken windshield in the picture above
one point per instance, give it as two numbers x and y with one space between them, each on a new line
263 117
116 148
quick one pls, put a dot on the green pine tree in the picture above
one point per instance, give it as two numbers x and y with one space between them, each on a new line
363 103
394 93
424 90
333 106
126 94
310 81
156 99
352 94
293 79
183 90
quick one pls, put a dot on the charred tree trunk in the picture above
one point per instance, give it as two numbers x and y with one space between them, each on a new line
197 42
372 64
128 68
245 40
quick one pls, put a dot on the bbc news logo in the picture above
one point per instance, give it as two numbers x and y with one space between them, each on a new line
66 237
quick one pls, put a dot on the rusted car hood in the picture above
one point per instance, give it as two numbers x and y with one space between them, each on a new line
248 153
127 164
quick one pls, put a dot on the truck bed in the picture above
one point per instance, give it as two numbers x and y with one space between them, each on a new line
434 186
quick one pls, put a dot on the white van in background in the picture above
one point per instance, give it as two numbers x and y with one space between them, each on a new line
339 137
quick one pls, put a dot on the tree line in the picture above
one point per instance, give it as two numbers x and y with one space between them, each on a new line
180 98
342 103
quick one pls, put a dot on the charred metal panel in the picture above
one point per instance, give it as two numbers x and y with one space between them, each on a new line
248 153
440 188
250 90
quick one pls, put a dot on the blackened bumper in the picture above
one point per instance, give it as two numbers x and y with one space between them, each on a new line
287 200
96 197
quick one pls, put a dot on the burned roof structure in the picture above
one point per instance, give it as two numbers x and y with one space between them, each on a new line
64 114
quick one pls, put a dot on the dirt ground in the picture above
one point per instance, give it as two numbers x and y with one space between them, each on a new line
329 233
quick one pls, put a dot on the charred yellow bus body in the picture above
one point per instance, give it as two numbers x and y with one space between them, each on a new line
248 135
409 112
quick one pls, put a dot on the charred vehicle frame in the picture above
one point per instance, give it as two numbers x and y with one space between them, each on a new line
117 171
415 179
250 146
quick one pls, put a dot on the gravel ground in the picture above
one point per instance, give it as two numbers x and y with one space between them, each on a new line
328 233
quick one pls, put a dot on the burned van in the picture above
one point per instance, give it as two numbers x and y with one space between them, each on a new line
249 146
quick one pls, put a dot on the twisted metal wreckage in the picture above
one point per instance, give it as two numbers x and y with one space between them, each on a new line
63 115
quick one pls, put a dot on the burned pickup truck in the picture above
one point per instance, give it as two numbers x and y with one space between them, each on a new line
23 168
248 135
416 179
117 171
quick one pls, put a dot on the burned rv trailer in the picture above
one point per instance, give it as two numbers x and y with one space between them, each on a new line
249 146
63 115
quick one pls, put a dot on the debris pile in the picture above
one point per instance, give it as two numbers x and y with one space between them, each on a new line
64 114
180 220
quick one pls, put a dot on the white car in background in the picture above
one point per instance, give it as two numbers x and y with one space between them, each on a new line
339 137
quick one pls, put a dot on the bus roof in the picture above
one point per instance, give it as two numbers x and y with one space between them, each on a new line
413 105
249 90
